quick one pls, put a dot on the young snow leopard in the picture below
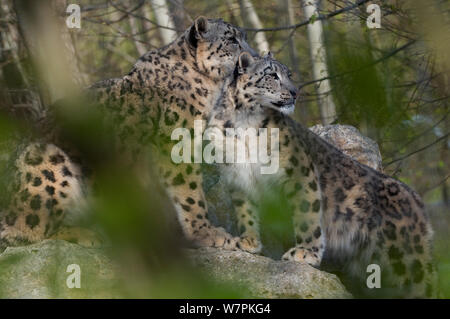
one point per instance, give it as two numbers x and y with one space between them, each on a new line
344 212
167 88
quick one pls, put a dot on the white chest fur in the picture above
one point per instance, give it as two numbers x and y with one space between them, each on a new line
246 168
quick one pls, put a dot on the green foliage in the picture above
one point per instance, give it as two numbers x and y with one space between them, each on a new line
383 95
443 267
361 87
276 225
136 218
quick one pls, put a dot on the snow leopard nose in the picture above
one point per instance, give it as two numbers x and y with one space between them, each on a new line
293 93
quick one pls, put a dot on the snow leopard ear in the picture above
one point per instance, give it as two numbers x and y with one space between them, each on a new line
197 30
269 55
201 25
245 60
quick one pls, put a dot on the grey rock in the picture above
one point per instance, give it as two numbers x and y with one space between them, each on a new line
352 143
40 271
263 277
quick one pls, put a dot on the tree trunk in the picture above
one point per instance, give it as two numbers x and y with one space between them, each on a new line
252 17
303 110
164 20
10 40
136 33
179 15
50 46
291 43
234 12
319 62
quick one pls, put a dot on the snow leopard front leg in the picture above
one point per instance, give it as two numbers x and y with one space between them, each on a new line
183 183
302 188
248 222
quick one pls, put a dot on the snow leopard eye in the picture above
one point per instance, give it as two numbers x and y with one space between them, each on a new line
233 40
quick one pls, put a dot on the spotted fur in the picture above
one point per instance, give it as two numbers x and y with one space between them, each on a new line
47 184
166 89
345 214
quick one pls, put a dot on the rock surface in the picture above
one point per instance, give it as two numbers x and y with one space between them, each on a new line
267 278
40 271
352 143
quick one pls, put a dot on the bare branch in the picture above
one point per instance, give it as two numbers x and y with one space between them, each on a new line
304 23
387 56
417 151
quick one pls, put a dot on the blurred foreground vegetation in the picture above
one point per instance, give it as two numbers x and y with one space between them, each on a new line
391 83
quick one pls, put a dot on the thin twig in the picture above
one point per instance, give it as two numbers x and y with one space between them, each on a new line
417 151
320 17
390 54
436 185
